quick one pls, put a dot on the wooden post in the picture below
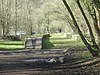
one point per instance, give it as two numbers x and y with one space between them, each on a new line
30 42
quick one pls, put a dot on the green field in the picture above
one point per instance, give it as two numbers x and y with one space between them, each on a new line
60 41
11 45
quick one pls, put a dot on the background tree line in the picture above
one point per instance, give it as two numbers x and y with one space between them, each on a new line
44 16
48 16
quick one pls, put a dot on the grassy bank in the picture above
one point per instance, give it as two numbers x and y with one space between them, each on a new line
60 41
56 41
11 45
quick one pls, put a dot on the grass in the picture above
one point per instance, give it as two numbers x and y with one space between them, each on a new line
59 41
67 43
55 41
84 55
11 45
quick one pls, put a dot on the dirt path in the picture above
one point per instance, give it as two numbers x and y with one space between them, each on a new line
14 63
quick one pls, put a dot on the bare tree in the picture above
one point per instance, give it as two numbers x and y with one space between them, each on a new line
16 9
2 20
92 49
29 16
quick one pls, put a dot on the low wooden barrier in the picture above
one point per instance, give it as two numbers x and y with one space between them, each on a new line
33 43
30 42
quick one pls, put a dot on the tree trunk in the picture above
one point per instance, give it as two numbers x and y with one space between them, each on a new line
2 20
16 28
96 19
98 31
29 18
8 17
89 26
79 31
96 26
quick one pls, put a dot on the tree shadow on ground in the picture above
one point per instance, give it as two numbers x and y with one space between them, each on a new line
46 44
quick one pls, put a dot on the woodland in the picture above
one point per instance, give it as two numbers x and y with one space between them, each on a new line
70 32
